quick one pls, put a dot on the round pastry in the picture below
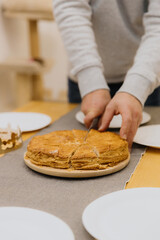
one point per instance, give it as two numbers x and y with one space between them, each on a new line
68 150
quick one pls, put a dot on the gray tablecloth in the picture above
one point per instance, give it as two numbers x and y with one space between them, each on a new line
64 198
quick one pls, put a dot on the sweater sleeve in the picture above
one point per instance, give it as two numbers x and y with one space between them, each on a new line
74 22
144 76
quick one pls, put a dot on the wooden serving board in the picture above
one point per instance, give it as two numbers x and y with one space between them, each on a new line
76 173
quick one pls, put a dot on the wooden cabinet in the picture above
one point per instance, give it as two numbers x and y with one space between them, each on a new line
29 73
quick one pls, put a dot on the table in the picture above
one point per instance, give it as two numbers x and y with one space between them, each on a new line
67 198
149 164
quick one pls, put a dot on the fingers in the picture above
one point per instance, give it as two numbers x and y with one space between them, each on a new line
93 105
99 103
131 111
106 118
89 118
126 125
130 124
128 129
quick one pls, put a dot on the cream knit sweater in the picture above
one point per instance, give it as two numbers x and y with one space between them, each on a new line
111 41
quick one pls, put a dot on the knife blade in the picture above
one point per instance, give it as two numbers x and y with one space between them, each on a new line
93 125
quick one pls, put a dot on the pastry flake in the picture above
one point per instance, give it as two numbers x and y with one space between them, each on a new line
68 150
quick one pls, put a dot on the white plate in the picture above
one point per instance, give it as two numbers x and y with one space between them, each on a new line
27 121
132 214
29 224
116 121
148 135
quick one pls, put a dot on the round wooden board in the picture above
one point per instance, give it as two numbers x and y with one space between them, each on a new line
76 173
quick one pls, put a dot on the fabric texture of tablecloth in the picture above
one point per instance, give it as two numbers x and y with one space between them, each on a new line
62 197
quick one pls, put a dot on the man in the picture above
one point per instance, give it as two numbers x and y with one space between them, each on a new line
112 43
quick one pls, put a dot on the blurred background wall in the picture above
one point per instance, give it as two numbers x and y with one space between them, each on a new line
14 42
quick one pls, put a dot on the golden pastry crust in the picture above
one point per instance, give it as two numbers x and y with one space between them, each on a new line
84 158
79 135
109 146
68 150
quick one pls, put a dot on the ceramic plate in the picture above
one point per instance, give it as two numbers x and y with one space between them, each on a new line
125 215
116 121
148 135
29 224
76 173
27 121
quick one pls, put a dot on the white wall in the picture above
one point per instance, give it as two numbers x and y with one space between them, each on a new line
52 47
14 43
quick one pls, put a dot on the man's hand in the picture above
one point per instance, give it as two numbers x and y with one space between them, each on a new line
94 104
131 111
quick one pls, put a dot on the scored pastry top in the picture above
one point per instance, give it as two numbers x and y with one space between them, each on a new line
67 149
